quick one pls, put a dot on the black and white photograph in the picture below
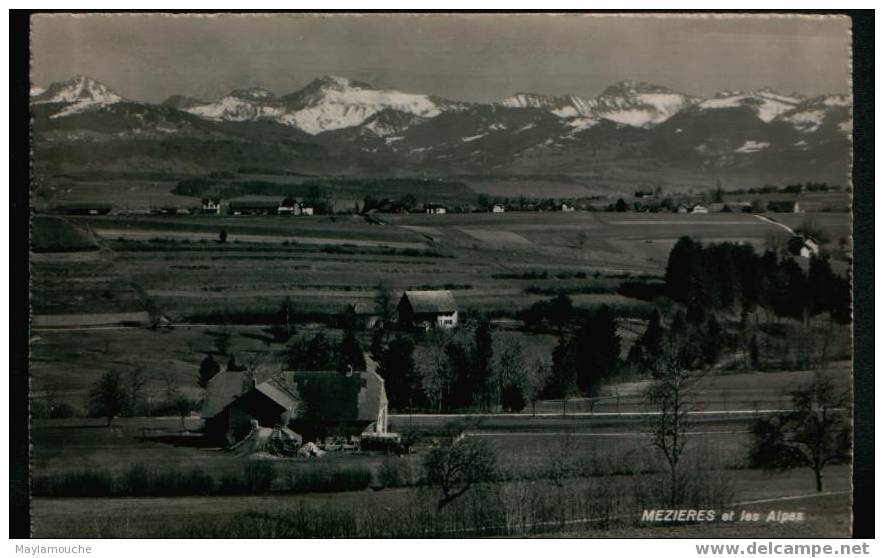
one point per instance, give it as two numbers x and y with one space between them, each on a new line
441 275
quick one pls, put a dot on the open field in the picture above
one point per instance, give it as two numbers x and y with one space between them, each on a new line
172 262
174 267
824 516
56 234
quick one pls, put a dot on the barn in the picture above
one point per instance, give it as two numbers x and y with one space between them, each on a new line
232 402
427 309
313 404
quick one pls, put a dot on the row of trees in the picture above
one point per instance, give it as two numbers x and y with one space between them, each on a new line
728 276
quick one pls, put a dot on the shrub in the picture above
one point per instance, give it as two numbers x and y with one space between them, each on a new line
398 471
328 478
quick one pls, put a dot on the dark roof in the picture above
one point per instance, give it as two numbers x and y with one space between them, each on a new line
331 395
428 302
225 388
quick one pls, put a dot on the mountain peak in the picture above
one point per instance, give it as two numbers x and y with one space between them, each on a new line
81 90
337 83
253 94
630 87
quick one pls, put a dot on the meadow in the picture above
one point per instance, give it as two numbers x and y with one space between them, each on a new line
92 308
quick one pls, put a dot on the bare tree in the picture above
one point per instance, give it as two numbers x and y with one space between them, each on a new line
814 433
434 366
137 379
509 369
561 460
458 467
670 396
535 382
582 237
109 396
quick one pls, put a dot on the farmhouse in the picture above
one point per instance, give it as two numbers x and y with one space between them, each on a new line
427 309
567 207
211 206
435 209
699 209
289 206
810 248
311 403
498 208
803 246
231 404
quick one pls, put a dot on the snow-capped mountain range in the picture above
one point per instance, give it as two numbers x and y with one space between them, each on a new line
357 127
333 103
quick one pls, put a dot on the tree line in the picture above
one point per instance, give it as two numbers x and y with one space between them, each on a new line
729 276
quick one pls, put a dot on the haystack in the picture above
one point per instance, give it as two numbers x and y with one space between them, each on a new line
277 441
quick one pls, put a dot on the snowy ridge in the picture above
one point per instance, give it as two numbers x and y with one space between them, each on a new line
329 103
79 94
810 115
630 103
766 103
564 106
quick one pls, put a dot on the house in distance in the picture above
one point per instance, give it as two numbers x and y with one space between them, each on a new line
211 206
428 309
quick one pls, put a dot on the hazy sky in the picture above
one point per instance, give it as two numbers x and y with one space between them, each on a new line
461 57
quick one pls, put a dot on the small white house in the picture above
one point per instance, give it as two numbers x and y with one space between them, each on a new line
699 209
306 209
567 207
436 209
498 208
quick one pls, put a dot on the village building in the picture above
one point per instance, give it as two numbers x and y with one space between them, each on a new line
567 207
289 206
232 404
428 309
810 248
211 206
699 209
314 404
435 209
498 208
